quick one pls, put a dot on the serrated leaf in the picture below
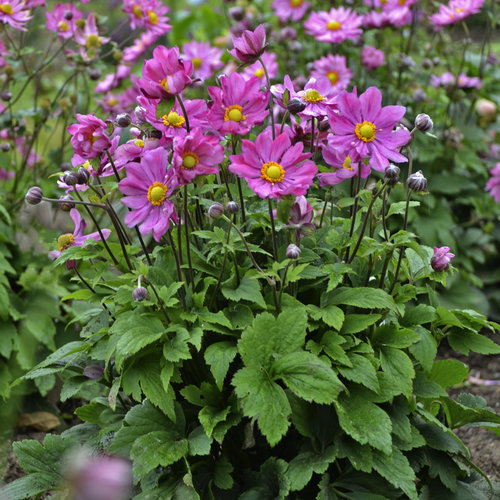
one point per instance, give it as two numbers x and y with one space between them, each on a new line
448 372
465 341
248 289
301 468
331 315
425 349
399 368
392 336
199 442
219 356
365 298
355 323
362 372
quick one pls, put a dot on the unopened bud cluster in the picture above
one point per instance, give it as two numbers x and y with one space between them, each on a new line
217 209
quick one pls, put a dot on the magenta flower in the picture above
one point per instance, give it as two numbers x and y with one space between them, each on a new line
334 68
274 168
454 12
204 58
148 14
493 184
334 26
301 214
238 105
293 10
57 22
134 52
196 154
255 69
112 80
3 53
364 129
89 39
166 74
77 238
250 46
133 150
447 80
15 13
441 259
146 188
372 58
89 139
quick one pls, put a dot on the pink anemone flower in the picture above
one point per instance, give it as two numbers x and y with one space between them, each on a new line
292 10
57 22
238 106
274 168
204 58
256 69
15 13
441 259
493 184
454 12
146 188
335 69
334 26
364 129
196 154
250 46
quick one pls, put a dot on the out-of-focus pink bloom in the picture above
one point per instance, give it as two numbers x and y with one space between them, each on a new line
89 139
196 154
334 68
148 14
133 150
77 238
3 53
447 80
5 175
469 82
204 58
441 259
255 69
57 22
493 184
274 168
454 12
238 105
112 80
250 46
376 19
89 39
293 10
146 188
364 129
166 74
15 13
372 58
335 26
134 52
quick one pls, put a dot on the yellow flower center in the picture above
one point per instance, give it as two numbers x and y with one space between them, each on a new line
333 76
259 72
164 84
173 120
62 26
272 172
157 193
196 62
347 163
93 41
312 95
365 131
87 165
137 11
190 160
295 3
6 8
333 25
113 101
401 2
139 142
64 241
153 18
234 113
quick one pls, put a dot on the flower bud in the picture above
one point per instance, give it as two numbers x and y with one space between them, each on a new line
93 372
441 259
5 147
34 195
391 174
139 294
80 23
155 134
232 207
68 15
117 55
139 114
215 210
94 73
486 108
82 176
123 120
70 178
324 125
295 46
68 203
237 13
295 105
65 166
9 71
417 181
426 63
288 33
423 123
436 61
292 251
419 95
6 95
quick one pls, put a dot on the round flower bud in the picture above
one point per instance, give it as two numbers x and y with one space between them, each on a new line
8 70
139 114
391 174
295 105
136 132
232 207
68 15
140 294
417 181
426 63
155 134
295 46
441 259
117 55
65 166
68 203
123 120
94 73
324 125
423 123
70 178
292 251
436 61
237 13
215 210
82 176
34 195
5 147
486 108
6 95
419 95
288 33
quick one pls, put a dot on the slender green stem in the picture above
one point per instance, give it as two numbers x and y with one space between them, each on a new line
273 229
271 101
89 286
238 182
285 116
186 232
223 265
283 285
354 210
181 104
160 301
177 265
76 202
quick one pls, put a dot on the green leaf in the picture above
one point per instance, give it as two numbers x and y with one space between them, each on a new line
448 372
331 315
363 420
458 414
7 335
400 206
219 356
419 315
425 349
199 442
365 298
399 368
222 474
465 341
301 468
248 289
177 348
355 323
390 335
362 372
308 377
29 486
264 400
